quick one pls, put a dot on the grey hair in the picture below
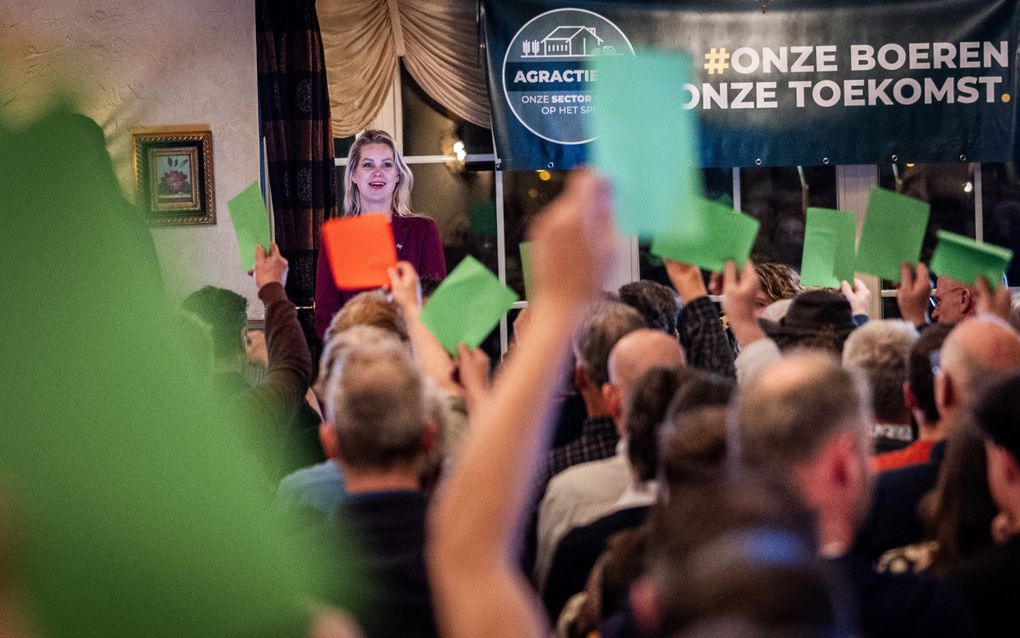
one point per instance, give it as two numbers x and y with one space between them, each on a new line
607 322
342 342
879 350
376 398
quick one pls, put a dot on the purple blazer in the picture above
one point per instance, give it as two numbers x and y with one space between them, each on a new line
418 242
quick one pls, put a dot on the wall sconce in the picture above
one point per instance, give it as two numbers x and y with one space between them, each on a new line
455 151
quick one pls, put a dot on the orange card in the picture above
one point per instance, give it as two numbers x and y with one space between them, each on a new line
360 249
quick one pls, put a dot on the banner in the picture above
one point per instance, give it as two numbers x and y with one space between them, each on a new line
804 83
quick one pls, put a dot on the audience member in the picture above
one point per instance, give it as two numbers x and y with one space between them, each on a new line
316 490
976 353
656 303
706 346
815 319
950 302
736 546
587 491
953 300
607 322
379 433
807 418
579 540
879 351
775 283
368 308
919 396
957 515
271 405
991 580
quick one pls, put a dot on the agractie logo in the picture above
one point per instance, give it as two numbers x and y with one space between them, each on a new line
545 78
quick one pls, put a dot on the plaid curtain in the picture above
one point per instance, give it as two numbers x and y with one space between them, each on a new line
294 109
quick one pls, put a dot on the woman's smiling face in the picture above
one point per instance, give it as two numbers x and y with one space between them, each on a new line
376 177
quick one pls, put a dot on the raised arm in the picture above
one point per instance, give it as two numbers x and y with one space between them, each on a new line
479 590
913 294
290 362
431 356
701 332
739 290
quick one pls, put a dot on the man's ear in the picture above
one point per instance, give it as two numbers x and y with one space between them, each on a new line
581 378
909 398
612 400
945 392
429 437
1006 465
644 603
967 306
846 468
329 440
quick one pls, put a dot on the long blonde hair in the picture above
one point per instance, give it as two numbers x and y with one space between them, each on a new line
401 204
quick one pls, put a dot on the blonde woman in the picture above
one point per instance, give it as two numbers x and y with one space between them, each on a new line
378 182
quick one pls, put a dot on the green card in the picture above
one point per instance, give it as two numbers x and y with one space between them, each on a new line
828 255
707 234
467 305
964 259
893 233
251 223
143 496
526 267
644 141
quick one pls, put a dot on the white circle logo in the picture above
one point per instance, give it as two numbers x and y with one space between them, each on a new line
545 76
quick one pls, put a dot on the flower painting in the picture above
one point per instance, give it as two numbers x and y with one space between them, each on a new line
173 174
175 182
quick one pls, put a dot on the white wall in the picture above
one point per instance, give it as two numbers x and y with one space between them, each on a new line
150 63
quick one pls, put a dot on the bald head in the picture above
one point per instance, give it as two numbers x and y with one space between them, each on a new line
954 300
639 352
976 353
790 410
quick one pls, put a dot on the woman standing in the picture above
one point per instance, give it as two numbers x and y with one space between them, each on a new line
378 182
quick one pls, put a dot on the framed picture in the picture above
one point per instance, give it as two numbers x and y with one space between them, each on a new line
174 174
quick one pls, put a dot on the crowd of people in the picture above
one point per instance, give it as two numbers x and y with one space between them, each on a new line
818 472
788 466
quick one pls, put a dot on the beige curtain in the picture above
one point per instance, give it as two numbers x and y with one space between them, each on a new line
438 40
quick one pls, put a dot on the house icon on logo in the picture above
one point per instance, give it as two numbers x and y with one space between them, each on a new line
564 42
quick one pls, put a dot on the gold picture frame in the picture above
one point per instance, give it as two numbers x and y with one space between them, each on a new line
174 174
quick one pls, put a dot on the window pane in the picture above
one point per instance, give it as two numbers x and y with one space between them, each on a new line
1000 201
718 184
524 194
463 204
429 129
948 189
779 198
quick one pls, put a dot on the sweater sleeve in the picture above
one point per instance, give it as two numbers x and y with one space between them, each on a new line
290 362
327 297
703 338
